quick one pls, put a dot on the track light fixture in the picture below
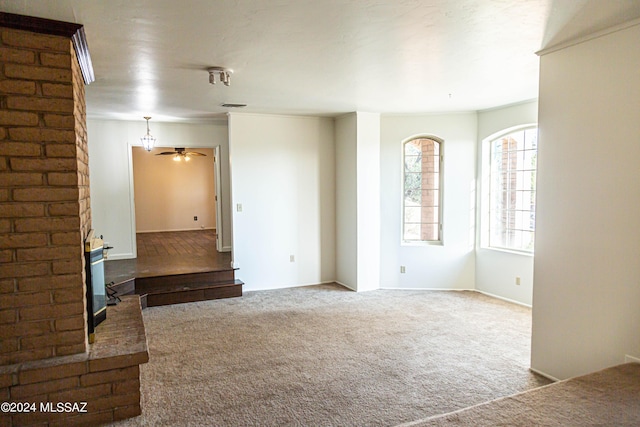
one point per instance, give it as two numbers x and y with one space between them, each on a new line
223 73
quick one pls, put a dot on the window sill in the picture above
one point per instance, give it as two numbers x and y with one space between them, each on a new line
508 251
421 244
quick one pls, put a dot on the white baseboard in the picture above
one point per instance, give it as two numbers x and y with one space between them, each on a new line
342 284
504 299
425 289
115 257
226 249
455 290
176 229
301 285
544 374
631 359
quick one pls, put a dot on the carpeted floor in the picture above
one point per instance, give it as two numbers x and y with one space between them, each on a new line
610 397
326 356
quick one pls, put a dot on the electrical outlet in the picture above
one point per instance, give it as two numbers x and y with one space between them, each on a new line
518 280
292 258
239 207
195 218
403 269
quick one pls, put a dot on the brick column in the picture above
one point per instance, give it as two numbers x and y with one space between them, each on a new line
509 180
430 201
44 197
44 218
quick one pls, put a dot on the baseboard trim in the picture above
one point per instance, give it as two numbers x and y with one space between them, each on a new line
115 257
343 285
426 289
226 249
176 229
631 359
544 374
503 298
302 285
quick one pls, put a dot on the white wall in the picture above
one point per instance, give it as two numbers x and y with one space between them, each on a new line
449 266
586 294
170 194
346 201
358 200
368 187
283 175
496 270
111 179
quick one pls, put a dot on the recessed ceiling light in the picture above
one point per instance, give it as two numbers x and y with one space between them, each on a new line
229 105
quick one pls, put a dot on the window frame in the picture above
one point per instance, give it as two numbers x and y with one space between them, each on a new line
441 166
485 202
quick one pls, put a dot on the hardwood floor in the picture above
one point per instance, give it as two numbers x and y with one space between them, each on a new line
200 243
174 268
170 253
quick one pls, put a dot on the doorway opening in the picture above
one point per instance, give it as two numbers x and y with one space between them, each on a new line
177 219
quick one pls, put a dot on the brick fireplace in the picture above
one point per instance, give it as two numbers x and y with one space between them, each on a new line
45 216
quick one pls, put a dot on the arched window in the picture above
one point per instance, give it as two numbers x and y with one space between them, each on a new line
512 190
422 159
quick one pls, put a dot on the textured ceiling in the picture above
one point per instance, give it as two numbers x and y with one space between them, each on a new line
319 56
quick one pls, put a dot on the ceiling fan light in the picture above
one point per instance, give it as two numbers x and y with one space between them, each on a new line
176 158
186 158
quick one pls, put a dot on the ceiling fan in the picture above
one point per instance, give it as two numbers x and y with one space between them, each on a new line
180 153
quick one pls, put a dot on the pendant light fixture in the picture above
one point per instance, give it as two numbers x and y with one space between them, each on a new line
148 141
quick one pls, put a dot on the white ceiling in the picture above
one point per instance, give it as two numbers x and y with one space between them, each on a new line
322 57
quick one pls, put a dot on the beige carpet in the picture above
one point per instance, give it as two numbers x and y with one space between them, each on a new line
325 356
607 398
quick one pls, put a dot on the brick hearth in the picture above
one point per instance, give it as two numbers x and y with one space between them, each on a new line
107 377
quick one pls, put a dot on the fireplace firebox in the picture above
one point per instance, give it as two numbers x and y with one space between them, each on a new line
96 291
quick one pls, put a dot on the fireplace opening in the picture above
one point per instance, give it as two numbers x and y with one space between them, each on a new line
96 290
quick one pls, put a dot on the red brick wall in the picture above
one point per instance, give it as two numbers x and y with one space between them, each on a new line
44 198
429 220
107 378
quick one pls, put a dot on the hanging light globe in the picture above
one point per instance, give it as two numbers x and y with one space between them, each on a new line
148 141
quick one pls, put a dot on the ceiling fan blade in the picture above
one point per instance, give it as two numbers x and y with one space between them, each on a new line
166 153
194 153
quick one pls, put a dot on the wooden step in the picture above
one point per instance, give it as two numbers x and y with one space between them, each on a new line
126 287
181 288
194 292
155 284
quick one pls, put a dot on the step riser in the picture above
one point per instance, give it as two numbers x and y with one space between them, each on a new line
154 284
179 297
182 288
127 287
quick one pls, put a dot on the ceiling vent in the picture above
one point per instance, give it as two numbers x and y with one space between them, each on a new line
229 105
